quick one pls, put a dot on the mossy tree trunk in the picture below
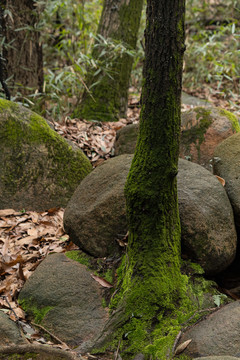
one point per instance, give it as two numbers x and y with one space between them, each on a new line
22 49
152 287
119 22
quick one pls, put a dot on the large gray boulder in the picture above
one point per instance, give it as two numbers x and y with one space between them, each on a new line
10 332
208 231
218 334
33 351
126 139
95 216
38 168
226 164
63 297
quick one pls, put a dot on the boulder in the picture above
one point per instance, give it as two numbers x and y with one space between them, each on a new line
194 101
62 296
38 168
126 139
95 217
10 332
202 129
33 351
217 334
208 231
226 164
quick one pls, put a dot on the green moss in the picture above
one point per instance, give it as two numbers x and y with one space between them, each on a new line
197 133
232 118
33 311
108 275
104 303
79 256
64 168
151 329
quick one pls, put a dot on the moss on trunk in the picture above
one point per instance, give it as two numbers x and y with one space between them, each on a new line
108 100
153 290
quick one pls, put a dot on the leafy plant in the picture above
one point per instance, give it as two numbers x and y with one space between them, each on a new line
219 299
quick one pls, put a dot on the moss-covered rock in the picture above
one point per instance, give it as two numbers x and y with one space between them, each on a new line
216 334
38 168
63 297
202 129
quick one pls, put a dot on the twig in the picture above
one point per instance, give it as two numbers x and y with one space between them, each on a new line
11 309
176 341
198 312
116 354
184 328
51 334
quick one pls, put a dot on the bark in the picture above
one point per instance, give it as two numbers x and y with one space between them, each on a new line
22 50
119 21
152 287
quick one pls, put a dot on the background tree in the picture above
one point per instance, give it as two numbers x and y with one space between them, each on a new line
150 301
22 48
119 23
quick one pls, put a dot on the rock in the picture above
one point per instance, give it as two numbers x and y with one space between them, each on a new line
96 216
38 168
193 100
32 351
126 139
63 297
226 164
208 231
10 332
217 358
217 334
202 129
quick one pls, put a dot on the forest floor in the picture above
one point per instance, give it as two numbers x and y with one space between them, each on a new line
27 237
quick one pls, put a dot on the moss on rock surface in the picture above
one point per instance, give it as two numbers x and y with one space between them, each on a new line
38 168
202 130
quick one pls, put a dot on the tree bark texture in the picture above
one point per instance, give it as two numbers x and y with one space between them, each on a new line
119 21
22 49
152 284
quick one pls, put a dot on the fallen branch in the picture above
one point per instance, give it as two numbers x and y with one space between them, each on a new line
51 334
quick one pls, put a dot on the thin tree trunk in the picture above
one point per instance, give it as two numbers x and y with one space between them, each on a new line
150 280
119 21
22 49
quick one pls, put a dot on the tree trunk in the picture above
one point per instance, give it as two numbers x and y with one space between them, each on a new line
108 99
151 285
22 49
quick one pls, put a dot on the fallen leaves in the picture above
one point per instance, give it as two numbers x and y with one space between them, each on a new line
25 239
102 281
182 347
221 180
95 138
